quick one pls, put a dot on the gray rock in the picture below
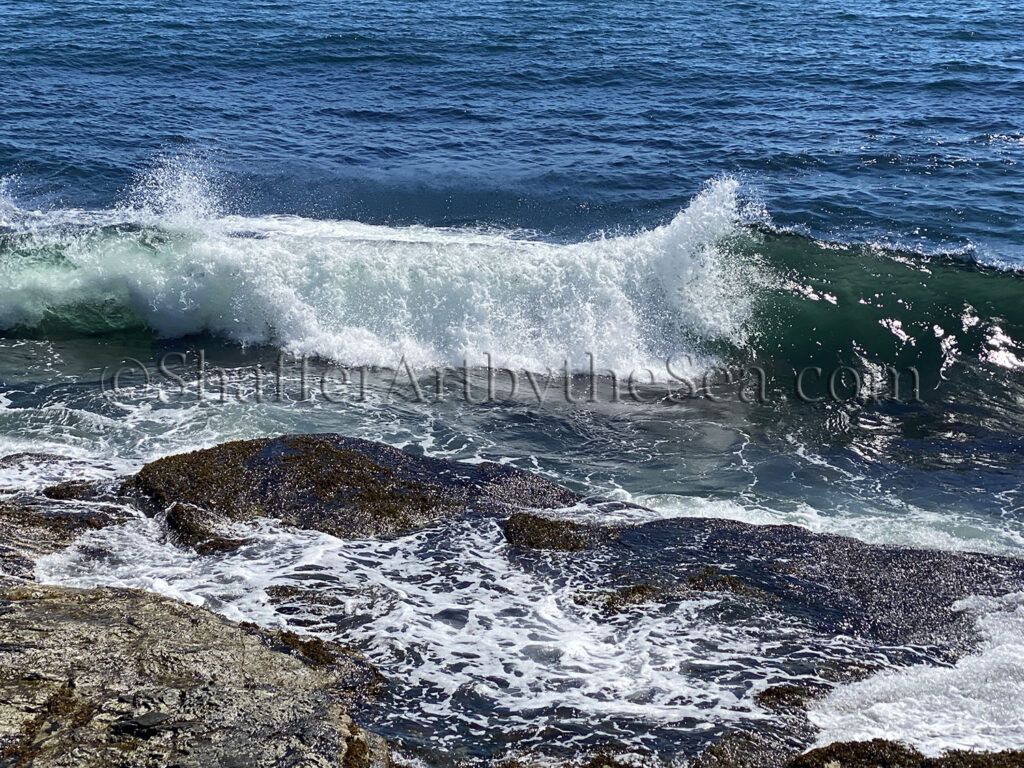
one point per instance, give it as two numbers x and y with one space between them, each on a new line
29 530
113 677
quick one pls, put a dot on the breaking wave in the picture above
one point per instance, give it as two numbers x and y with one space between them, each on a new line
361 294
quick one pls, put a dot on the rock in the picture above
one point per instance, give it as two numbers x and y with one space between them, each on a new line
878 752
197 528
604 758
860 754
780 698
29 530
30 458
897 605
536 532
893 595
619 600
708 579
741 749
73 490
105 677
711 579
343 486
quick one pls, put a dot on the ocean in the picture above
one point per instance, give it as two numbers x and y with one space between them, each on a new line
746 261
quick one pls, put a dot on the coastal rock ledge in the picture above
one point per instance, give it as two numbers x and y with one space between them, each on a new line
344 486
114 677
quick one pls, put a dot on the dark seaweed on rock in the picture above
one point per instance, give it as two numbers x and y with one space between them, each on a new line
893 595
30 529
523 529
343 486
749 750
73 490
878 752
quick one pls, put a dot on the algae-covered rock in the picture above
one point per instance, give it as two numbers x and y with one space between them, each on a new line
708 579
113 677
860 754
751 750
524 529
616 601
29 530
342 486
741 749
197 528
889 754
896 596
72 490
711 579
781 698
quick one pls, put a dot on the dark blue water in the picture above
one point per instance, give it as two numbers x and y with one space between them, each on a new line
882 121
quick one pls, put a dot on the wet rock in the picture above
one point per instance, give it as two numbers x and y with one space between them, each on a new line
194 527
861 754
29 458
106 677
705 580
29 530
342 486
622 599
524 529
751 750
607 760
741 749
73 490
895 605
711 579
893 595
604 758
322 596
890 754
780 698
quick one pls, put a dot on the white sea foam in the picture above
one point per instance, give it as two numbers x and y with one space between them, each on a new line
978 704
362 294
454 620
948 530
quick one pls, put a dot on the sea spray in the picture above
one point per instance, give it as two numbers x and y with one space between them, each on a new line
373 295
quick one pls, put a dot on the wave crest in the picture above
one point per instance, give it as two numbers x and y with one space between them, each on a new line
370 295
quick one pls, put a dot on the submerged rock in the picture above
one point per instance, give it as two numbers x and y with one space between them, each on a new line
105 677
343 486
788 697
618 600
197 528
30 458
893 595
708 579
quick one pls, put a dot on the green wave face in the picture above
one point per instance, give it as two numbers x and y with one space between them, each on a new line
55 286
700 287
828 305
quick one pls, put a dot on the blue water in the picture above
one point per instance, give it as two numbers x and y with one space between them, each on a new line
878 121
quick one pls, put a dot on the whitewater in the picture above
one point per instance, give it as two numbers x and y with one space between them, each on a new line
371 295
